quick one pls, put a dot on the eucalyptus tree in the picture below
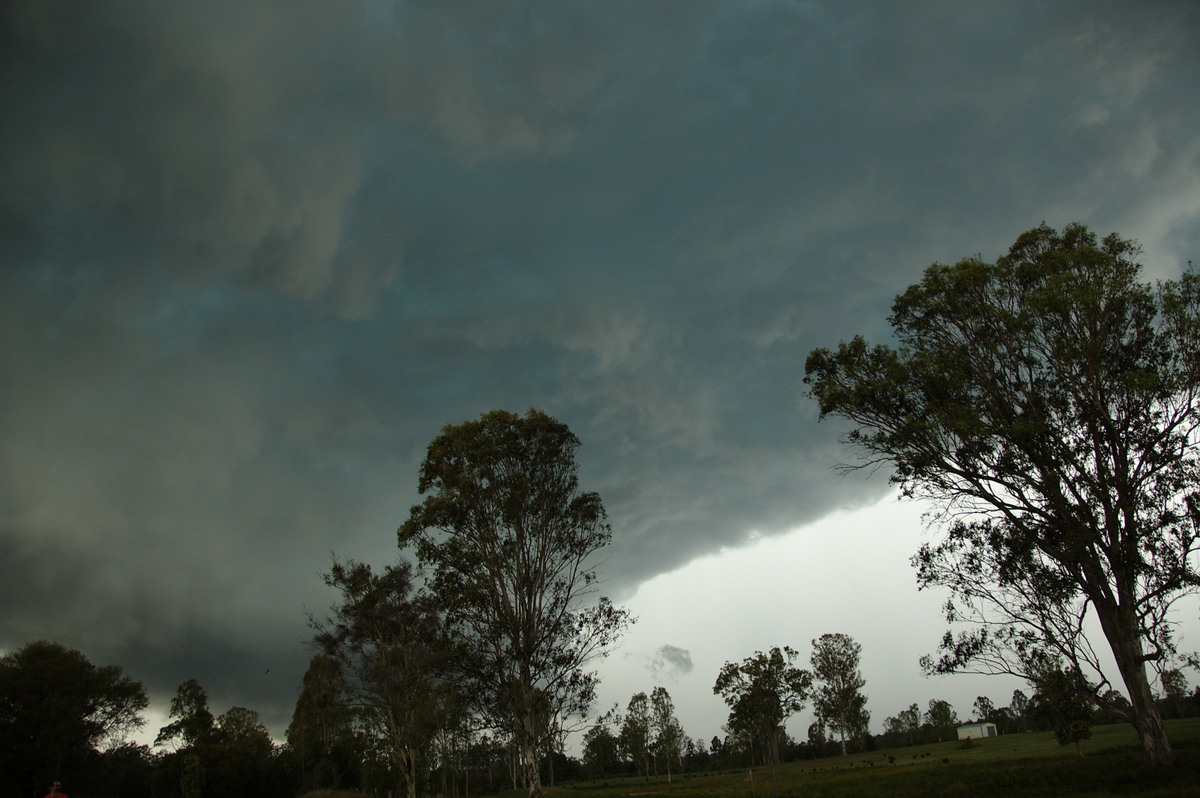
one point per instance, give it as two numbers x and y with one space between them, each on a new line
1019 707
322 734
390 656
1174 689
668 737
762 692
905 723
1047 403
600 749
984 709
1060 701
222 755
510 543
635 734
242 730
941 718
838 699
193 722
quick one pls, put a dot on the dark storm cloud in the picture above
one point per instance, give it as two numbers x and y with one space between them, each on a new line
256 255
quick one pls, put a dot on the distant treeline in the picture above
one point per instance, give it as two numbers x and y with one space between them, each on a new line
64 719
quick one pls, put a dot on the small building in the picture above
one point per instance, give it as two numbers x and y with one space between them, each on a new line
978 731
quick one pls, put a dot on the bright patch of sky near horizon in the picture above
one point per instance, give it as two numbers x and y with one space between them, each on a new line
846 573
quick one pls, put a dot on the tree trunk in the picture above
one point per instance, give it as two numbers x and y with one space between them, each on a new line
1156 746
773 755
1126 645
406 763
533 774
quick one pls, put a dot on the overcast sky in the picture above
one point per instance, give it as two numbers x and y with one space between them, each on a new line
256 255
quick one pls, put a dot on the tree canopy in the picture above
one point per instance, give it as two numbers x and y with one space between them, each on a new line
762 692
193 721
389 654
1048 403
941 717
322 733
509 541
669 738
838 699
1060 701
57 708
635 735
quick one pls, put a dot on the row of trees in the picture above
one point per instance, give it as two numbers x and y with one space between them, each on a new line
762 692
637 741
64 719
644 738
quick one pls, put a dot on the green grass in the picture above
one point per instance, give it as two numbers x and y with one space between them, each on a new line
999 767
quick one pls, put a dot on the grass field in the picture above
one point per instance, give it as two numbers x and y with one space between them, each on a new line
999 767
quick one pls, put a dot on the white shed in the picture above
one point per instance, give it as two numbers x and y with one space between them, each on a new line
976 730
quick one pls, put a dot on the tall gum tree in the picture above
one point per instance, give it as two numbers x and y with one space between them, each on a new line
636 732
509 542
385 642
762 692
1047 403
838 699
668 733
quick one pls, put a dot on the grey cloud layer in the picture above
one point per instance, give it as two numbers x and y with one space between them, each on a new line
256 255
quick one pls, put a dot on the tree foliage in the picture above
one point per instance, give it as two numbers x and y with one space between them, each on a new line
600 750
231 754
321 735
242 731
838 699
762 692
1048 402
193 721
390 654
635 734
905 724
57 709
984 709
1174 688
1061 701
509 540
1019 707
667 733
942 718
